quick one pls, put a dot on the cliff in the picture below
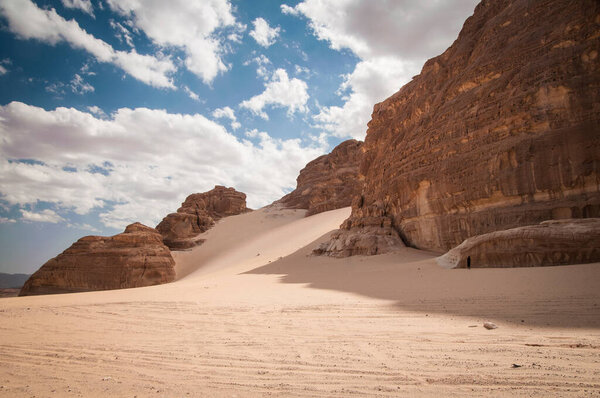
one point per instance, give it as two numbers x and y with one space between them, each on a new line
500 131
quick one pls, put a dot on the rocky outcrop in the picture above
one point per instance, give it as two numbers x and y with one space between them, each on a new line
329 182
197 214
502 130
556 242
134 258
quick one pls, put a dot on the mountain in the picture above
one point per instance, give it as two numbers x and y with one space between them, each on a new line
12 281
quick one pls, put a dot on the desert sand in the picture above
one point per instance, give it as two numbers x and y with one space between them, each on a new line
253 314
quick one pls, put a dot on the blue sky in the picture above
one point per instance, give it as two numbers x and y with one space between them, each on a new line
113 111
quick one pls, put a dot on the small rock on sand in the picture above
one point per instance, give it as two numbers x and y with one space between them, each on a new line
490 325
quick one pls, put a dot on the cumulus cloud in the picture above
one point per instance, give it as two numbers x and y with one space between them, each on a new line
190 25
5 220
263 33
28 21
83 5
227 113
392 38
280 91
46 215
143 163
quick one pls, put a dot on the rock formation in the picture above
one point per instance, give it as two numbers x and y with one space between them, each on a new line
134 258
329 182
197 214
555 242
502 130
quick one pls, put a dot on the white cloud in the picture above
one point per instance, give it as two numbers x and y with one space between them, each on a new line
96 110
280 91
190 25
263 33
392 39
262 62
3 70
144 161
28 21
79 86
83 5
285 9
4 220
46 215
191 94
227 113
122 33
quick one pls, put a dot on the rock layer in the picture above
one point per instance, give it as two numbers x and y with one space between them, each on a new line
500 131
555 242
198 213
134 258
329 182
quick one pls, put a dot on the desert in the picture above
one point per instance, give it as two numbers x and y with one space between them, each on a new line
312 199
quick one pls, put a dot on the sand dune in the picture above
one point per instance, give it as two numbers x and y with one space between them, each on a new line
252 314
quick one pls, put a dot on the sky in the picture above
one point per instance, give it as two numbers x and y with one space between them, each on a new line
113 111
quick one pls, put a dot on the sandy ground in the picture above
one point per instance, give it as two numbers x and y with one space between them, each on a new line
254 315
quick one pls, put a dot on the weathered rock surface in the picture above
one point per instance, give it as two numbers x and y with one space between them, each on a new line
555 242
134 258
502 130
329 182
197 214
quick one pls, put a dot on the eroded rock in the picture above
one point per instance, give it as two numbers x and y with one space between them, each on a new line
557 242
134 258
500 131
198 213
329 182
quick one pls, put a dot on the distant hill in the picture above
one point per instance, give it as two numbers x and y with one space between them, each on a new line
12 281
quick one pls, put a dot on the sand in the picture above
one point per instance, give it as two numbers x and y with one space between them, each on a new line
253 314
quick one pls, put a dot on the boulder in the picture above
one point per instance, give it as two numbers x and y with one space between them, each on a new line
197 214
134 258
329 182
556 242
500 131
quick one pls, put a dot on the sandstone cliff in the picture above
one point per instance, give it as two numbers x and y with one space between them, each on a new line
502 130
555 242
134 258
329 182
198 213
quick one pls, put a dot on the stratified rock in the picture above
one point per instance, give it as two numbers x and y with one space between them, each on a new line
329 182
134 258
556 242
502 130
198 213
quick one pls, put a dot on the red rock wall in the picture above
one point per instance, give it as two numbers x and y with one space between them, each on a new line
329 182
501 130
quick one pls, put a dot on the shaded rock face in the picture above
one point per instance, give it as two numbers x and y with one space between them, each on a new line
555 242
329 182
197 214
502 130
134 258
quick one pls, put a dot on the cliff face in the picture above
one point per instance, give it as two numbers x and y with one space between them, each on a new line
198 213
134 258
329 182
502 130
